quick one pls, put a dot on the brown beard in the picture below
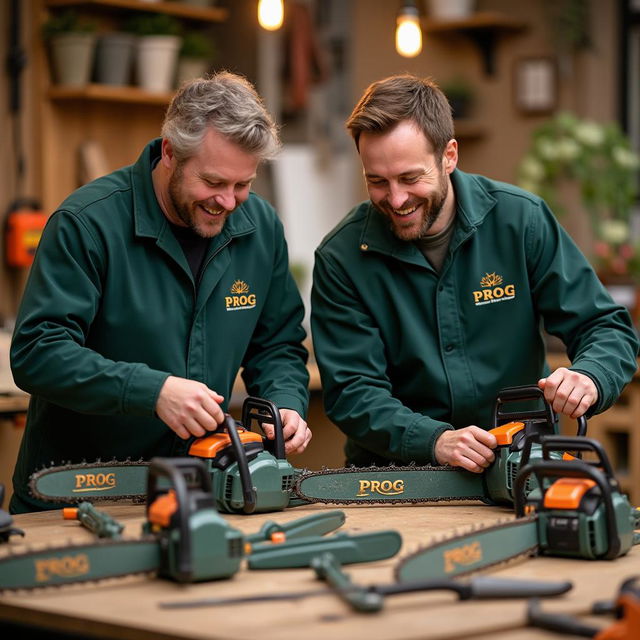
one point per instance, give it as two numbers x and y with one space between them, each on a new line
432 208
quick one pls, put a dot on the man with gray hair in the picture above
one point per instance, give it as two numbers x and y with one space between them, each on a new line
152 286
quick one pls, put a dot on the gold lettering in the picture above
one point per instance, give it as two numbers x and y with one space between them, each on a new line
64 567
252 299
364 485
228 301
383 487
487 294
477 296
498 292
462 556
510 290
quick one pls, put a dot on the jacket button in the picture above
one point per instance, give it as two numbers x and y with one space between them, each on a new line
449 348
364 247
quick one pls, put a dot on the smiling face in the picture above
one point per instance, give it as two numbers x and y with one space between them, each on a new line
203 190
406 182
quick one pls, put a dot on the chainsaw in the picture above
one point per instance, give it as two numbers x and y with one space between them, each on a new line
186 540
251 474
576 510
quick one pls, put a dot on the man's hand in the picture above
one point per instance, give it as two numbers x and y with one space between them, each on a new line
469 448
295 430
569 392
189 407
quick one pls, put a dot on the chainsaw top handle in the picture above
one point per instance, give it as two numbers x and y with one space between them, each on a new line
516 394
185 474
264 412
570 469
248 491
579 444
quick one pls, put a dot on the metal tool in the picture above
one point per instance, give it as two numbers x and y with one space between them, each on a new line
370 599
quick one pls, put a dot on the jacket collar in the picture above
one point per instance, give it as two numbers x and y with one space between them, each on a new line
150 221
473 203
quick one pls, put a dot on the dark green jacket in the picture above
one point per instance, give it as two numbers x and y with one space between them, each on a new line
406 353
111 310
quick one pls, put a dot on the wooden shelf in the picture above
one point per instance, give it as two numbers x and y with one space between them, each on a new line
479 21
177 9
482 28
109 93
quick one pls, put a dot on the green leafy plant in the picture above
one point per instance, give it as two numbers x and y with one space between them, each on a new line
66 22
152 24
599 160
197 45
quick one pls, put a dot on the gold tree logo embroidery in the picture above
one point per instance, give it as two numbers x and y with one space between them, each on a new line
239 286
491 280
240 297
493 290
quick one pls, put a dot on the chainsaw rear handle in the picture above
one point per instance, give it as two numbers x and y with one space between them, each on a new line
178 471
580 435
516 394
570 469
248 490
264 411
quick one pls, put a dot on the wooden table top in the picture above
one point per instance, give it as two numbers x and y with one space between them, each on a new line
128 607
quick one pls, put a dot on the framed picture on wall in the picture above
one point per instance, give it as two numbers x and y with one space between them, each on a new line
535 85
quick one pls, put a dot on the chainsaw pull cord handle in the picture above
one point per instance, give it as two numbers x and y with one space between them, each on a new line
570 469
515 394
176 469
248 491
262 411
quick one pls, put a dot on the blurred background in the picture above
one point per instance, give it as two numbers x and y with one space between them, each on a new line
545 93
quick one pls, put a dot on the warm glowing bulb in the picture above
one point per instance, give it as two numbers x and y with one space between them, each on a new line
408 35
270 14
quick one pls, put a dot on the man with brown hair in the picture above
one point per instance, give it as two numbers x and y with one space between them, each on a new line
429 298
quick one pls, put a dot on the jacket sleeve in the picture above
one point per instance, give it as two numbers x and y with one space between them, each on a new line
598 333
274 366
358 394
48 353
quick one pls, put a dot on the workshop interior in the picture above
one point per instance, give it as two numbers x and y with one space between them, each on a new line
545 95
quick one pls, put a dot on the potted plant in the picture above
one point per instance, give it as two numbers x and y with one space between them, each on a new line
157 52
196 56
72 44
598 160
460 95
114 57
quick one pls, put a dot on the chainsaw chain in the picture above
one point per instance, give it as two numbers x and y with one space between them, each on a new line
83 465
464 534
300 477
100 543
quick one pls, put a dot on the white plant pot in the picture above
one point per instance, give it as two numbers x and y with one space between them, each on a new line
450 9
156 62
72 58
191 68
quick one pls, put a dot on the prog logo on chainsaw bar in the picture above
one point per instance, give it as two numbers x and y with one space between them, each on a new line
383 487
462 556
94 482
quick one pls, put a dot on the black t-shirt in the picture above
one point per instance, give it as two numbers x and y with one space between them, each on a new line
194 247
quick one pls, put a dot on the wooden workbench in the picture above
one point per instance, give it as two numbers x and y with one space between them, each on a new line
128 607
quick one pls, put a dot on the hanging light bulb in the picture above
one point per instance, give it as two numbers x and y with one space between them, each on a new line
270 14
408 31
